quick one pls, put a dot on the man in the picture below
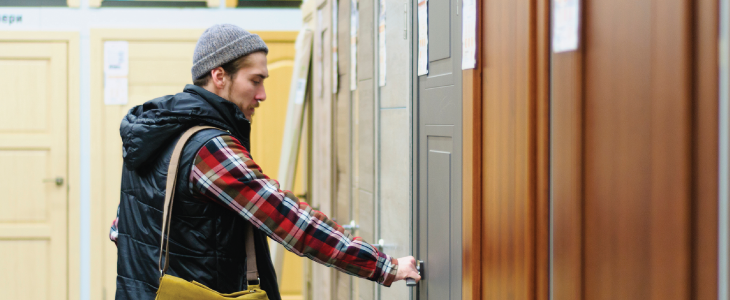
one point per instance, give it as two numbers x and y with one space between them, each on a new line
220 188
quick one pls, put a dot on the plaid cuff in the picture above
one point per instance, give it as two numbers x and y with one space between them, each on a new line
386 269
114 231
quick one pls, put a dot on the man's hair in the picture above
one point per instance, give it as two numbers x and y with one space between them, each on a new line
230 67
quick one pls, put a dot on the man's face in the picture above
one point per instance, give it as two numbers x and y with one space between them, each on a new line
247 88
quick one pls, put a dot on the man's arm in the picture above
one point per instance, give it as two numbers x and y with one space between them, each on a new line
224 172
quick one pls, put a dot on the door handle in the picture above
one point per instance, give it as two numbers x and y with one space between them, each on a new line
352 226
420 267
57 180
381 245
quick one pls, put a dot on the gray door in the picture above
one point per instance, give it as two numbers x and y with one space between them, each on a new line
437 136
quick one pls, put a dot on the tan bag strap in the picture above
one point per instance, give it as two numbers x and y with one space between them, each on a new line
252 273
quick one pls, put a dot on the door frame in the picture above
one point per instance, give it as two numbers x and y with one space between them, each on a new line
73 133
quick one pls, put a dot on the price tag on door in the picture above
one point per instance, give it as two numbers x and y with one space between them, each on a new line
116 70
566 16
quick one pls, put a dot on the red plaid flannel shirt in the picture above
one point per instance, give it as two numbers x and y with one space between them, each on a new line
223 172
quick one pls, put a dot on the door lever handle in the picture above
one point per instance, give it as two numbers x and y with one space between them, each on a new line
57 180
352 226
381 245
420 267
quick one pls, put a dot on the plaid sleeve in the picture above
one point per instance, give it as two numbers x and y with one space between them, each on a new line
224 172
114 231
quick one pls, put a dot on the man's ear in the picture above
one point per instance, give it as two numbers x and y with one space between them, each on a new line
219 77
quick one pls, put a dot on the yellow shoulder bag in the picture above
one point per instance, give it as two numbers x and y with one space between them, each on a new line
172 287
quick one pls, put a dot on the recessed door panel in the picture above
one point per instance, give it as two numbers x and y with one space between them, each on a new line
438 236
439 29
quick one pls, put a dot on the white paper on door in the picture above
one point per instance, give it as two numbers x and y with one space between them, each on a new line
116 70
566 16
353 44
319 55
335 30
422 37
381 45
469 35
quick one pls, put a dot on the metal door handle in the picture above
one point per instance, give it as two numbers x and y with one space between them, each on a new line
57 180
352 226
420 267
381 245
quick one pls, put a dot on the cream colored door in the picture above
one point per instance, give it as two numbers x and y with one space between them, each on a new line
159 65
33 156
156 68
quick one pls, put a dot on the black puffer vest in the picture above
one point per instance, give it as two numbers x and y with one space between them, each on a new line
206 239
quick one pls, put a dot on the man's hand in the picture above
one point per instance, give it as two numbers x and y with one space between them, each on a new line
407 269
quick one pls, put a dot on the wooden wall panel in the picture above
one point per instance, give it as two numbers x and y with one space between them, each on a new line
634 147
323 133
343 139
671 144
472 222
622 148
567 174
636 151
541 117
618 160
514 143
472 179
364 126
705 151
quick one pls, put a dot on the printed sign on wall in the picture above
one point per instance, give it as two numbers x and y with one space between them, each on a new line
116 70
21 18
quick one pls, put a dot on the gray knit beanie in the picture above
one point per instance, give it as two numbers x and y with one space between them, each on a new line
223 43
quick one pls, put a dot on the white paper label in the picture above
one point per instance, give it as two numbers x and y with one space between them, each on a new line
116 70
566 16
319 55
381 45
469 35
299 84
115 90
353 44
116 58
301 89
422 37
335 71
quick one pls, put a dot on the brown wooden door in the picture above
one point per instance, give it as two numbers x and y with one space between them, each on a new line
633 140
594 172
506 142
